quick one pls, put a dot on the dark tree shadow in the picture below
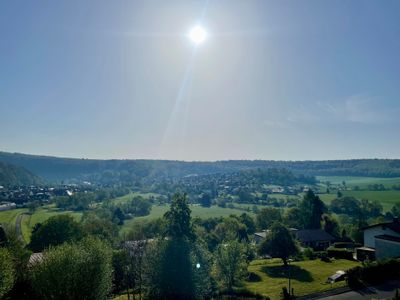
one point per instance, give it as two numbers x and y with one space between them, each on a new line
295 272
253 277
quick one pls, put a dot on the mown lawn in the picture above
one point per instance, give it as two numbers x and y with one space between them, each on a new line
307 276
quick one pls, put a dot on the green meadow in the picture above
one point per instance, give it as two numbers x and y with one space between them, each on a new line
361 182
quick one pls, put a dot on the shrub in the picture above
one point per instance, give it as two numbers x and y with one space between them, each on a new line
80 270
340 253
373 273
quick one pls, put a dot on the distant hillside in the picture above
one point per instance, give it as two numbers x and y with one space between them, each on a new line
11 175
147 171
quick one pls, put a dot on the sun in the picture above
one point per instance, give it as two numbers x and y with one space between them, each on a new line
197 34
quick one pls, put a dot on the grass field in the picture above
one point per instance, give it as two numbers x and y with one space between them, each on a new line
197 211
129 197
386 198
28 221
40 215
10 216
307 276
362 182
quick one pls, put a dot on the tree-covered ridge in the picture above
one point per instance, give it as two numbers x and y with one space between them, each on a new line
148 171
11 175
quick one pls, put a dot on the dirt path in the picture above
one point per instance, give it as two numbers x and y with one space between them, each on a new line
18 226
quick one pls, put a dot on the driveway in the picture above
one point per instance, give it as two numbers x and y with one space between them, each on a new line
378 292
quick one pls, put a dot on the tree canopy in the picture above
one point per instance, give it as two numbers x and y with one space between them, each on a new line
279 243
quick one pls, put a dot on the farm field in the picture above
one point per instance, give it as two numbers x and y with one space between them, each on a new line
306 276
386 198
362 182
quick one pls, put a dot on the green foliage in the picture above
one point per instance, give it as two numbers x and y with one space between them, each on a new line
55 231
12 175
396 210
330 225
178 219
93 224
172 270
230 263
267 216
292 218
279 243
7 272
309 253
77 202
248 221
311 208
205 200
374 272
79 270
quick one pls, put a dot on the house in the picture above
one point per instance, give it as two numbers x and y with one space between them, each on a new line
259 237
314 238
317 239
7 206
381 241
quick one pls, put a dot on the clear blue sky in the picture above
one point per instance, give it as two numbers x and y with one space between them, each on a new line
273 80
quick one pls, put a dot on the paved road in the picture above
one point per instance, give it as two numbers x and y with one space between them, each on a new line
378 292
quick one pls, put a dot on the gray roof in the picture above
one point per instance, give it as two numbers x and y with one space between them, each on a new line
312 235
395 225
388 237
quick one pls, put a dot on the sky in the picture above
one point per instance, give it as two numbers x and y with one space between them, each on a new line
279 80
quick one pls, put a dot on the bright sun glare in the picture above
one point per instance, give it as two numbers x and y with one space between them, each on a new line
197 35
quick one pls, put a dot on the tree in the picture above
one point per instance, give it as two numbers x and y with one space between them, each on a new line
311 208
249 222
396 210
292 218
230 263
77 270
266 216
230 228
205 200
93 224
330 225
55 231
20 257
7 272
174 259
279 243
346 205
178 220
118 216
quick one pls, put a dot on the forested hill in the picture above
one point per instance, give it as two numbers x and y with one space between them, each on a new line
128 171
11 175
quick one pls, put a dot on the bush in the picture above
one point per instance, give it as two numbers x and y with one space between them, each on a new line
373 273
308 253
7 272
80 270
340 253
